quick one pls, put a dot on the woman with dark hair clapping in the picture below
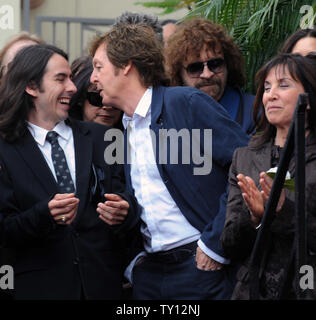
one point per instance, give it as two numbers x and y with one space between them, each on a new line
280 82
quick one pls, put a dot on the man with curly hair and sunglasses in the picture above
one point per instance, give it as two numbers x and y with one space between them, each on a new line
200 54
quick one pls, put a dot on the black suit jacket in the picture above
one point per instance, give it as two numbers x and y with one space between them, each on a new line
53 261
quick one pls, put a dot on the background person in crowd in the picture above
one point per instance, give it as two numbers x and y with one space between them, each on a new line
16 43
200 54
7 54
180 221
169 26
86 103
280 82
128 17
302 42
62 208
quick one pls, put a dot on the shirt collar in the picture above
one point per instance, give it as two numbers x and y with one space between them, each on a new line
142 107
40 133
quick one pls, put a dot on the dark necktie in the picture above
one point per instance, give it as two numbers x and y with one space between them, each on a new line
64 180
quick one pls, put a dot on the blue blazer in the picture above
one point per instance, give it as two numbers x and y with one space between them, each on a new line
197 196
239 105
245 112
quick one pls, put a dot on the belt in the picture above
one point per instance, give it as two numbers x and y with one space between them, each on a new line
175 255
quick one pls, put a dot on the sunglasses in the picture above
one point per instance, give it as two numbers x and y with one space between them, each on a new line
195 69
94 98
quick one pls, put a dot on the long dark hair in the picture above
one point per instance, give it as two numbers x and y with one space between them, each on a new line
27 69
303 70
295 37
81 70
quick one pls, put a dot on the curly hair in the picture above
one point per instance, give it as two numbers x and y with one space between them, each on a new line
136 43
188 41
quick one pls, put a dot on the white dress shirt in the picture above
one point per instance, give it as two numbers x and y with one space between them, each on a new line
164 227
65 140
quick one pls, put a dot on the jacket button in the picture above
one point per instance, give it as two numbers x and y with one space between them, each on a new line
76 260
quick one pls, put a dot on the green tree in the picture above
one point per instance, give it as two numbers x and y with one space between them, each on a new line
259 27
169 6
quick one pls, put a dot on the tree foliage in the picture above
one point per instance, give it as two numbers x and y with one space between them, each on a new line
169 6
259 27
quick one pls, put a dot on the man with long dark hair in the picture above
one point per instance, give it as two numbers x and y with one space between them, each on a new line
61 206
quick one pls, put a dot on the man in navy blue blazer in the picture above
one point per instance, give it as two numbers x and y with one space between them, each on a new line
200 54
179 145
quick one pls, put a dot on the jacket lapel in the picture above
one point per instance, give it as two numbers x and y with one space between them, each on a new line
83 157
262 158
156 124
157 120
156 107
35 160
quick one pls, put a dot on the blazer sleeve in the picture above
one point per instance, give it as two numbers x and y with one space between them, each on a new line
18 226
212 232
111 178
227 135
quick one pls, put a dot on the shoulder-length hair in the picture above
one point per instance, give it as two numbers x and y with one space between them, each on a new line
27 69
190 38
295 37
81 70
303 70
